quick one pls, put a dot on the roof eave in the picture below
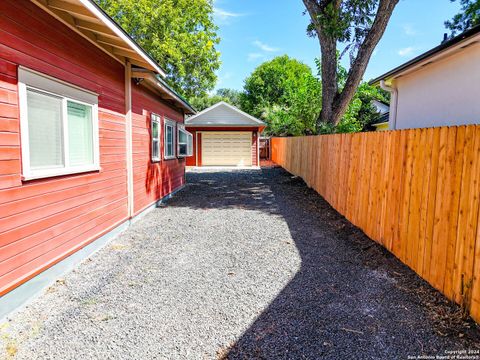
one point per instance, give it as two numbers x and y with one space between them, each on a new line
457 40
97 10
87 19
167 92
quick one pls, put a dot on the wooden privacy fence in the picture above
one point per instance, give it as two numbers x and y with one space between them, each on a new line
416 192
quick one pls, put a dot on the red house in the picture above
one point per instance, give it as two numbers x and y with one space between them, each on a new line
90 137
223 135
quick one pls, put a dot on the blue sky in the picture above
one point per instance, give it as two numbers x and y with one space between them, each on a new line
254 31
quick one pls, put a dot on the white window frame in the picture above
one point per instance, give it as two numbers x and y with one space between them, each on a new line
154 118
29 79
181 128
173 125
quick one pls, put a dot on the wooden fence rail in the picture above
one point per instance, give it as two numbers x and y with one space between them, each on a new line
416 192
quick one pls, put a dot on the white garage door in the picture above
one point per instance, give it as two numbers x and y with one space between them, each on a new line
233 148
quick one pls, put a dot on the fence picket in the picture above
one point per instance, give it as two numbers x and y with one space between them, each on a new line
413 227
425 174
456 189
467 214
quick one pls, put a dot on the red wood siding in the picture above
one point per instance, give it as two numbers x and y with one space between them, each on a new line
197 142
152 181
254 148
192 160
43 221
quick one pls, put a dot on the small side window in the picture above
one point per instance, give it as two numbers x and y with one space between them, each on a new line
185 143
155 123
169 139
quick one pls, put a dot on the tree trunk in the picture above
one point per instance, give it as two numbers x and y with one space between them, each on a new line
328 46
335 103
329 79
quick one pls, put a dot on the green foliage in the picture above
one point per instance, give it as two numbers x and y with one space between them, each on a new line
469 17
179 34
230 96
285 94
347 21
200 103
360 112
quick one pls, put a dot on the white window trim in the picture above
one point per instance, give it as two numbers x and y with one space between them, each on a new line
173 125
49 88
181 128
156 118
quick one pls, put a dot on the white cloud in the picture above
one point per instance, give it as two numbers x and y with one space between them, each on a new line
255 56
409 30
225 15
265 47
407 51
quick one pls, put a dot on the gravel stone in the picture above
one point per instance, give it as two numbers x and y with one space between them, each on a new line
241 264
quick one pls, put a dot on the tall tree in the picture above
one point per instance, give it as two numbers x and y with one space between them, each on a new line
230 96
179 34
467 18
285 94
361 111
359 25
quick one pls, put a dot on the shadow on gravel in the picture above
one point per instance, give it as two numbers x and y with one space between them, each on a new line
351 299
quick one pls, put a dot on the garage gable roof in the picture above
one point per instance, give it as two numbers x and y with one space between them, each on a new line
223 114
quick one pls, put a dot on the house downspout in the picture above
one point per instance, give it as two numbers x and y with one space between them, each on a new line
128 135
392 121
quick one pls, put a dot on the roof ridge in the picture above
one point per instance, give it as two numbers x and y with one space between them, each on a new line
231 107
443 46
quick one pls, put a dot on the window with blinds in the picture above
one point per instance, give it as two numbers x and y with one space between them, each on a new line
45 127
59 132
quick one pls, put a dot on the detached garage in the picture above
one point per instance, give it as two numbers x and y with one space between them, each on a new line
224 136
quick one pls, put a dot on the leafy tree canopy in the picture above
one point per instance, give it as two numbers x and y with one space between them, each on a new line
467 18
285 94
179 34
347 21
230 96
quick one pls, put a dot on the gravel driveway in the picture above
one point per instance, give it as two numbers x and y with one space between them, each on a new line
241 264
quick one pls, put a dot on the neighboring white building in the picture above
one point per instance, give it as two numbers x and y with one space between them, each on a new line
381 107
381 123
438 88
